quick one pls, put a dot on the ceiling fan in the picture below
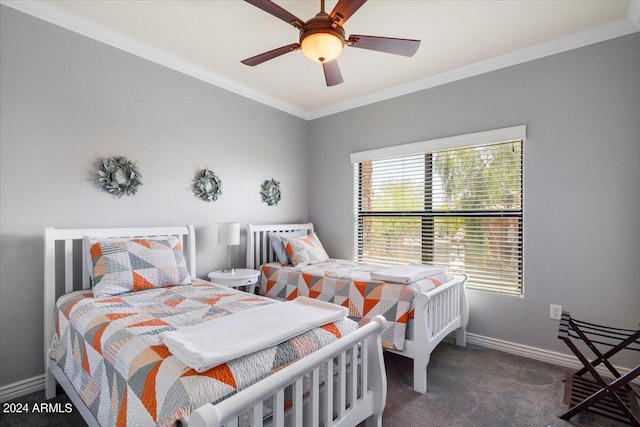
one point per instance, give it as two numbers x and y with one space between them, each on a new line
322 37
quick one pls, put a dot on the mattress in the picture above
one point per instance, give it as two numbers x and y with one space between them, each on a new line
349 283
110 350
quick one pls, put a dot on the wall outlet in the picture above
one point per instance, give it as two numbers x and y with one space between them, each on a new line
555 311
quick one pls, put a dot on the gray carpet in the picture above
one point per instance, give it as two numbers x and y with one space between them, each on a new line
467 387
478 387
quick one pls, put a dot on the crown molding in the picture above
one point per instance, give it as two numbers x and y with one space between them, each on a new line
59 17
629 25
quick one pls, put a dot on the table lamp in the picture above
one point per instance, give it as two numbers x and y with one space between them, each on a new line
229 234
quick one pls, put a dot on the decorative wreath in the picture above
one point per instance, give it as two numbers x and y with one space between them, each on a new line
107 176
206 185
270 192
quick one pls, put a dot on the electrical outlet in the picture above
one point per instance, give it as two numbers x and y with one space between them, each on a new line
555 311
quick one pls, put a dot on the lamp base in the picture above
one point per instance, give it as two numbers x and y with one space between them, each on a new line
229 270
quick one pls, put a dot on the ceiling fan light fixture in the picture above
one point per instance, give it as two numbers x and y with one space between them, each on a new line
322 45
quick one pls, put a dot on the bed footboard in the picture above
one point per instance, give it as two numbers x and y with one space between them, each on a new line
437 314
360 393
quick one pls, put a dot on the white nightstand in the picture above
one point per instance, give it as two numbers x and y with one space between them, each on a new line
241 277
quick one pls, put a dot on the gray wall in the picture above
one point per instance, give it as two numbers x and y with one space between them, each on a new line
67 102
582 180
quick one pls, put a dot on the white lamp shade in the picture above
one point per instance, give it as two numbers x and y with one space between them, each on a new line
229 233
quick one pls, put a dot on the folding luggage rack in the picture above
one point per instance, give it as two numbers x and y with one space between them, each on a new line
614 398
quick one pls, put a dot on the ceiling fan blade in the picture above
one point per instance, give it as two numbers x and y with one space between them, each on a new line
404 47
332 74
259 59
344 9
275 10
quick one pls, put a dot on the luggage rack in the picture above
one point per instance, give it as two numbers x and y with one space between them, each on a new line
614 398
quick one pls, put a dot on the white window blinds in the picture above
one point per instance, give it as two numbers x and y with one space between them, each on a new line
459 205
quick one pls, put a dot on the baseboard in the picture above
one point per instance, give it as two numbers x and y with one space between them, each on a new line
535 353
21 388
31 385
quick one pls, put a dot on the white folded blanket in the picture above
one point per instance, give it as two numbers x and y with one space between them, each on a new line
218 341
407 273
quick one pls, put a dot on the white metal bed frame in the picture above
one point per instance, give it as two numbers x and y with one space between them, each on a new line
344 398
437 313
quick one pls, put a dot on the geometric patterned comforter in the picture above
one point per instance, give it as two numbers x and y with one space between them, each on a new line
110 350
349 284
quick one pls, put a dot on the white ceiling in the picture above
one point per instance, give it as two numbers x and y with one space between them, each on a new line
208 39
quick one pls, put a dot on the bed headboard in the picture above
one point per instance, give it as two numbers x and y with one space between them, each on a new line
259 250
67 245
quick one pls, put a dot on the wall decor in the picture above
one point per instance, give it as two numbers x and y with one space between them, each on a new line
207 186
270 192
108 176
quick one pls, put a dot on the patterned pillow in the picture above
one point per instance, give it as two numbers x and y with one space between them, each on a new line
137 264
90 240
305 250
278 246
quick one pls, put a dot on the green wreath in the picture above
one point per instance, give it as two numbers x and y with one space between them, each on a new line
206 185
270 192
107 176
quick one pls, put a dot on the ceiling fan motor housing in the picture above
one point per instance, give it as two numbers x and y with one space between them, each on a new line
322 24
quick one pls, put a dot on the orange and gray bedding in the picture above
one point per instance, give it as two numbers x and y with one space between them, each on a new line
349 284
111 351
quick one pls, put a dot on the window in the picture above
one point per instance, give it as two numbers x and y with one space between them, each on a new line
454 201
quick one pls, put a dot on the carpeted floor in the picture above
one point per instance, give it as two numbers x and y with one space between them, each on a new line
478 387
467 387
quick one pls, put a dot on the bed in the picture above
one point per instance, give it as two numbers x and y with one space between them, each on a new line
430 315
335 377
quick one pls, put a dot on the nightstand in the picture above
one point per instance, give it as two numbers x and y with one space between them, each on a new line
241 277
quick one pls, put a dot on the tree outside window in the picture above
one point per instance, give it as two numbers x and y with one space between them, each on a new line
461 208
